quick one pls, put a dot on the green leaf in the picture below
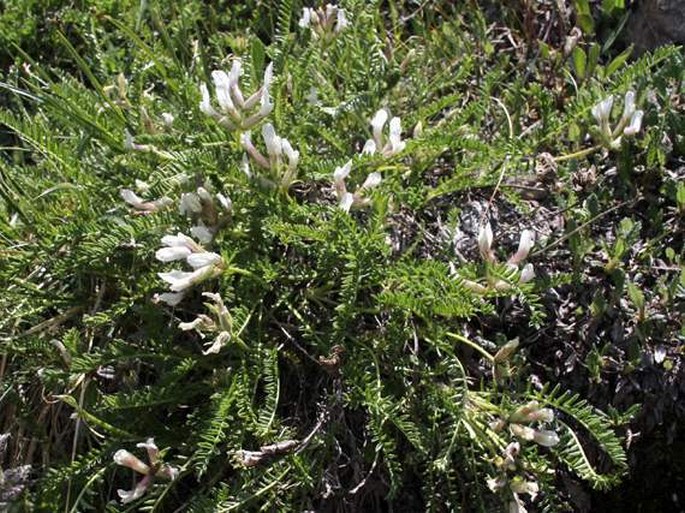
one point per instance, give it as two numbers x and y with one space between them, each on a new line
636 296
584 16
579 61
618 62
258 54
593 59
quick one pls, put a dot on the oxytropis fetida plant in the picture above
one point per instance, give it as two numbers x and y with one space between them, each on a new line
205 238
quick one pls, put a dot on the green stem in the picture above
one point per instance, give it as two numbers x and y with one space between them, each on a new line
578 154
472 345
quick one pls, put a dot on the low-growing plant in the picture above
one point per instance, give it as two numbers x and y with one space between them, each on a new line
275 320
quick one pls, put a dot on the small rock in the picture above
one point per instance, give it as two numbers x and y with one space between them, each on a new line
655 23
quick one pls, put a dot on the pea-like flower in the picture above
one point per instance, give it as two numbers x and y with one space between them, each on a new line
348 200
526 241
531 412
207 210
144 206
236 112
485 240
219 323
379 144
519 486
544 437
155 469
205 264
324 22
281 161
628 125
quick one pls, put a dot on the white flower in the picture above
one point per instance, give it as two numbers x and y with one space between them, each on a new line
526 242
485 238
274 147
246 142
628 106
170 298
369 147
136 493
126 459
546 438
167 118
602 111
629 124
234 109
291 155
496 483
527 273
346 199
202 233
516 505
181 280
131 197
373 180
206 103
282 159
518 485
199 260
200 322
531 412
225 202
220 323
181 240
139 203
181 247
207 210
222 88
324 22
510 453
306 18
341 22
377 123
172 253
394 144
220 341
339 176
635 123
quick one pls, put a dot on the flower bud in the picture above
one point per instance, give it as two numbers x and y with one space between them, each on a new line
485 238
126 459
635 123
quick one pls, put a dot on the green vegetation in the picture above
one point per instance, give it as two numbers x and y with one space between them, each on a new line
372 340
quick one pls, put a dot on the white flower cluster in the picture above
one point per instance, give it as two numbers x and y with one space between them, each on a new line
155 469
378 144
220 323
281 160
516 486
235 111
348 200
507 463
527 414
325 22
629 124
485 240
207 210
205 264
